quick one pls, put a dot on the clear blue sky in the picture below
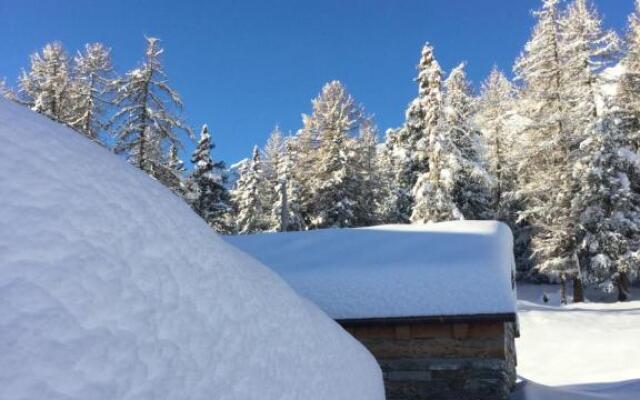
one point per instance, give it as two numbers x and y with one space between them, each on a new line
243 66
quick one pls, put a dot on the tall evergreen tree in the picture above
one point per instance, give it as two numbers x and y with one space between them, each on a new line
607 207
335 120
546 171
394 205
171 171
472 183
585 50
408 144
495 109
249 197
628 90
369 193
46 87
146 122
272 160
6 91
92 89
286 213
206 190
433 190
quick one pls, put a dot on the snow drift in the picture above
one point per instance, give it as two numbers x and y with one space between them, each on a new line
111 288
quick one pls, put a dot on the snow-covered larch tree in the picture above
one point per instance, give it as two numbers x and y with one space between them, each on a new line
92 89
249 197
628 87
46 87
335 179
206 191
495 109
586 49
147 122
546 171
272 159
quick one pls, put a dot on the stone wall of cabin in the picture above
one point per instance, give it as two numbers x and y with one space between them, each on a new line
442 361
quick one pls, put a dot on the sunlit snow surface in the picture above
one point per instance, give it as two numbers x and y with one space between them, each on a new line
111 288
450 268
581 351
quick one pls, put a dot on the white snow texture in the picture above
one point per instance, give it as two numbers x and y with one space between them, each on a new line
448 268
112 288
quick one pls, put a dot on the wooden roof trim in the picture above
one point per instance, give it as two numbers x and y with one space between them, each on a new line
499 317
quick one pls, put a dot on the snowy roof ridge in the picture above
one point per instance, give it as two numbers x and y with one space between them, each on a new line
442 270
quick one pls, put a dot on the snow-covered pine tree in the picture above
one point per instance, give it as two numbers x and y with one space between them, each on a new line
92 89
249 197
335 180
369 176
286 210
472 183
607 206
46 87
173 160
546 171
6 91
394 205
171 172
433 190
206 192
146 122
272 159
407 144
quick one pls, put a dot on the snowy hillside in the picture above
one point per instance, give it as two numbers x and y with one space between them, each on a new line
577 352
112 288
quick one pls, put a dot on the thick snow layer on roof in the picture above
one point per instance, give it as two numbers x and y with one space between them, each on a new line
444 269
112 288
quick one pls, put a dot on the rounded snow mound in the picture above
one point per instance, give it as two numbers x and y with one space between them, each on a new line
112 288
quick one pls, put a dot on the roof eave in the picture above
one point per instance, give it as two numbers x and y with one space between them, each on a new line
384 321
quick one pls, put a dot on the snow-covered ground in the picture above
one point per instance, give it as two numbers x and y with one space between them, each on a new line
112 288
579 351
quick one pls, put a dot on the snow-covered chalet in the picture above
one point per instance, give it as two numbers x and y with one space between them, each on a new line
435 304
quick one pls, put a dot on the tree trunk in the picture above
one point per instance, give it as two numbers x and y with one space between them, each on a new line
622 283
563 289
578 290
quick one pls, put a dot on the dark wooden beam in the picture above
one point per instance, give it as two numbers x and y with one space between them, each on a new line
504 317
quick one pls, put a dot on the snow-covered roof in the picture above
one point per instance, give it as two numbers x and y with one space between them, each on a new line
112 288
447 269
